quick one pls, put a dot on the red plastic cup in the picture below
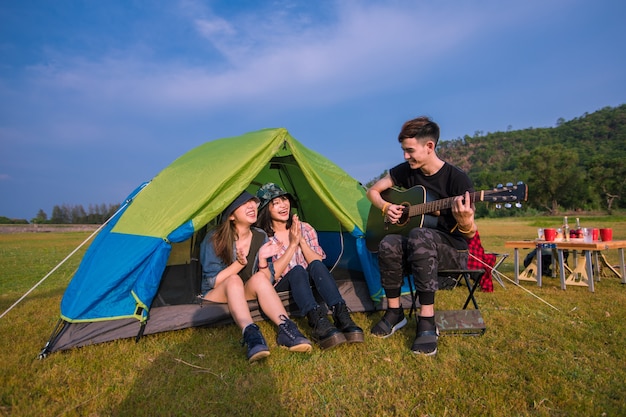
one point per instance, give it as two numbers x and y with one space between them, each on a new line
606 234
549 234
595 234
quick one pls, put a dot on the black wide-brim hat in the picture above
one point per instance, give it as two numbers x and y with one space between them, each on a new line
243 198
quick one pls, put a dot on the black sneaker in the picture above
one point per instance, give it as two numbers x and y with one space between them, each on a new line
343 321
290 337
392 321
257 348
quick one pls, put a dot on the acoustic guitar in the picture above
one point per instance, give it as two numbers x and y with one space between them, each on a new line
417 208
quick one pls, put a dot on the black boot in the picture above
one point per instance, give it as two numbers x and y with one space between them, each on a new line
343 321
324 333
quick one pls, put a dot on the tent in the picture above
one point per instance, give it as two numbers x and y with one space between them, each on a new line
141 275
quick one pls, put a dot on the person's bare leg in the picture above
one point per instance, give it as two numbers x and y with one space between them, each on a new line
232 292
427 310
258 287
393 302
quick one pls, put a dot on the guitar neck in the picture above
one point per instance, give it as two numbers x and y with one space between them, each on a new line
436 205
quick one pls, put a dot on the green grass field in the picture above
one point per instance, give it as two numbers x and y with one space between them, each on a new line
533 360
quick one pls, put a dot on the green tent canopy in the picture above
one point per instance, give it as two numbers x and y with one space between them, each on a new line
141 273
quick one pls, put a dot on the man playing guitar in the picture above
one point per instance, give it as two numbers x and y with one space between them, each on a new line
422 251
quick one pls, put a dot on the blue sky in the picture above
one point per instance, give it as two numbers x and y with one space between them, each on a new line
99 96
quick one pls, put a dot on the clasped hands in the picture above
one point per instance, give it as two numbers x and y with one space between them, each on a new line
295 233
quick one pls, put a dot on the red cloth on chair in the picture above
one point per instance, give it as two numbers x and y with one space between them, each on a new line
476 255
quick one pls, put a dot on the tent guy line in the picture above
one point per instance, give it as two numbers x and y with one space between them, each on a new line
515 283
95 232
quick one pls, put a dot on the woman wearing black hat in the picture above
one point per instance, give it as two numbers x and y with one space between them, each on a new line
236 267
298 263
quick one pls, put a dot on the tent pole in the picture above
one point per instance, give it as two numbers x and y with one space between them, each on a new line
55 334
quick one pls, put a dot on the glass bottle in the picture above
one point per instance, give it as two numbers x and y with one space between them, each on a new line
579 230
565 229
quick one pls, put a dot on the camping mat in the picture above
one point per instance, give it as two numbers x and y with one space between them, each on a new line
462 322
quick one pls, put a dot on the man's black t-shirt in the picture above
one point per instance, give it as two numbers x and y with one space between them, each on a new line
449 181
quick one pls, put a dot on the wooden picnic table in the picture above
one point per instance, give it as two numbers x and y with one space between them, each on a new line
582 274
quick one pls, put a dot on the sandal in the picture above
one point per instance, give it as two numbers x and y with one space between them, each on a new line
389 324
426 342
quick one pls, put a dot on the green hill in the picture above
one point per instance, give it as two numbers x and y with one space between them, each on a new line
578 165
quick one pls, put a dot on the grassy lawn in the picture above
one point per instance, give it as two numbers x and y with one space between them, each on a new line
533 360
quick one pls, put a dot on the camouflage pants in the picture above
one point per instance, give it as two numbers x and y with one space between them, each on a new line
422 253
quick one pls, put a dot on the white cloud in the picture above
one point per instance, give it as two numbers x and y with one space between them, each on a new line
239 69
297 62
214 28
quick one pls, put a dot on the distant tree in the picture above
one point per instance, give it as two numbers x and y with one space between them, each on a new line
41 217
6 220
608 177
78 215
373 180
113 208
60 215
554 175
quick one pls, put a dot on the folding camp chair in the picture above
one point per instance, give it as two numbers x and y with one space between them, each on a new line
494 270
471 278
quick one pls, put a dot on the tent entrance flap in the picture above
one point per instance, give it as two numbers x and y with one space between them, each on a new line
181 280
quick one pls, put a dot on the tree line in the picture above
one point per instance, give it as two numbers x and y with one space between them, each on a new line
70 214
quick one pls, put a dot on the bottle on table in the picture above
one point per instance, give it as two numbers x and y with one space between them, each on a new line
579 230
565 229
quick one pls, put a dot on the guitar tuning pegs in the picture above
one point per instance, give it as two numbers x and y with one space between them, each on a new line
498 206
518 205
520 182
509 184
507 205
499 186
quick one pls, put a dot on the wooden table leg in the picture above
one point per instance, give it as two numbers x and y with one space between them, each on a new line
580 274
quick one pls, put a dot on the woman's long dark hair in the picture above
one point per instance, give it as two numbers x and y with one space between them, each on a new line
223 238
